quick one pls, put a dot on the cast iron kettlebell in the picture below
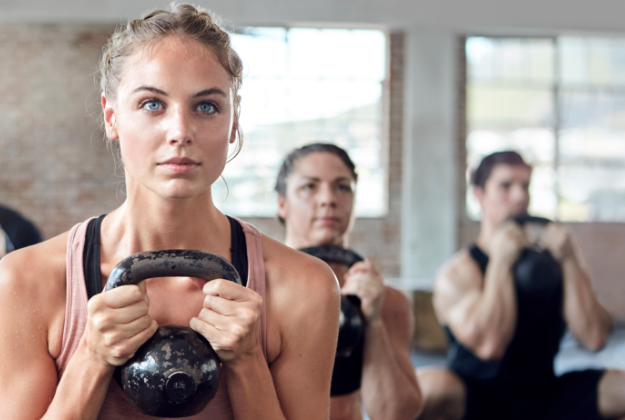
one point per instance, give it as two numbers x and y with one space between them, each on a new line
537 273
351 321
176 372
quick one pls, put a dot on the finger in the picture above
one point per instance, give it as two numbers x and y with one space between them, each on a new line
219 321
227 290
220 305
125 315
122 296
210 332
136 340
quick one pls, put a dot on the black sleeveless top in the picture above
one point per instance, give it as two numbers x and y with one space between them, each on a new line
529 356
91 254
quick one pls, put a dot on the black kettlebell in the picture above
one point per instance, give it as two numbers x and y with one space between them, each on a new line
352 321
176 372
537 273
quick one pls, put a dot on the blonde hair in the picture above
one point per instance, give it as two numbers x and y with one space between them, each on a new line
182 20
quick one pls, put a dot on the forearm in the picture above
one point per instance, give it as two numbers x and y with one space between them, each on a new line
494 315
589 321
389 390
81 390
252 391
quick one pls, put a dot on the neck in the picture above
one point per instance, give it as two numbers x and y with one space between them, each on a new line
298 241
487 228
149 222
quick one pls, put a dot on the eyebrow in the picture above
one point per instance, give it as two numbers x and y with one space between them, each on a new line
341 178
205 92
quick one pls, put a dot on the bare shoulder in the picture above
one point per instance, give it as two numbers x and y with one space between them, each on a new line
34 277
460 275
300 273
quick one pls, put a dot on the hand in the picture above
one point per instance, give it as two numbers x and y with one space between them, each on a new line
557 239
230 320
118 324
364 281
507 242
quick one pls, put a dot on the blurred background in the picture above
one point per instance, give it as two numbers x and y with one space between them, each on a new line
417 91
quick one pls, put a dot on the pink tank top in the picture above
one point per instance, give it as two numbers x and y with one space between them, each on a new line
116 406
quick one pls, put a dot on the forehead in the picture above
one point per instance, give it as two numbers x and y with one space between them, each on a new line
503 172
175 63
322 165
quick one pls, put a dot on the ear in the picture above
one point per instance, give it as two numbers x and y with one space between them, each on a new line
110 123
282 207
478 192
233 133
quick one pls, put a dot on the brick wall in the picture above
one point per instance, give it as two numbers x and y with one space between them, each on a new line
378 239
55 166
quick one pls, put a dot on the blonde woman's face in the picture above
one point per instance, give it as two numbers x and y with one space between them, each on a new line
174 118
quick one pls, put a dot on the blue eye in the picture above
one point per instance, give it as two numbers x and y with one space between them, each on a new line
206 107
153 106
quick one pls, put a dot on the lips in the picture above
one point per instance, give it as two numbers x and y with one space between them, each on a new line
327 220
179 165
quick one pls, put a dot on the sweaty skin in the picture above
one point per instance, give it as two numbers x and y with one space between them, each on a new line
173 116
481 310
318 210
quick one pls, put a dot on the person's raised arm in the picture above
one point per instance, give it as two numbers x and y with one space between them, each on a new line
32 308
482 315
389 385
589 322
302 306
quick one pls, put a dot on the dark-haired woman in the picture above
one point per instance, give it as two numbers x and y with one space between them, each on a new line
316 188
169 94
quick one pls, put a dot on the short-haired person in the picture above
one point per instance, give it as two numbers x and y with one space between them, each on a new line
170 100
504 336
316 191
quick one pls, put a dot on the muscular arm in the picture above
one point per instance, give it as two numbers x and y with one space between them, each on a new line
587 319
389 385
303 311
481 317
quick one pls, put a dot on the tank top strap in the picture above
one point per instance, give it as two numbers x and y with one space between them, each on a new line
256 274
76 296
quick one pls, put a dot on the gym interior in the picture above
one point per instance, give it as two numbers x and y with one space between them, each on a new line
417 91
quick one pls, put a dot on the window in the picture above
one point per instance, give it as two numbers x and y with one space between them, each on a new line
303 85
560 102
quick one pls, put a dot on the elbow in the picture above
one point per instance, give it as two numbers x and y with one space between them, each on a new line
490 350
596 341
412 404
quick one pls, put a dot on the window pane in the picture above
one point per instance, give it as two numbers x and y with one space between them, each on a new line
592 193
489 105
300 86
510 60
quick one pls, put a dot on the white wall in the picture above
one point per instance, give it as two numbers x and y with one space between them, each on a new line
429 190
480 15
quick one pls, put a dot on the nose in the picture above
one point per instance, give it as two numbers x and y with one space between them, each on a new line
519 194
180 129
326 196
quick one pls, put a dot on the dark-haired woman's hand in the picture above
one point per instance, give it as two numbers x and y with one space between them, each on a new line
364 281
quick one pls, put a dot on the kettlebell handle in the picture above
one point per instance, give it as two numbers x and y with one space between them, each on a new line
334 254
171 263
523 219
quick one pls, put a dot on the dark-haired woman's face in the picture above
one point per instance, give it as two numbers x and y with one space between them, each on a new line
319 200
